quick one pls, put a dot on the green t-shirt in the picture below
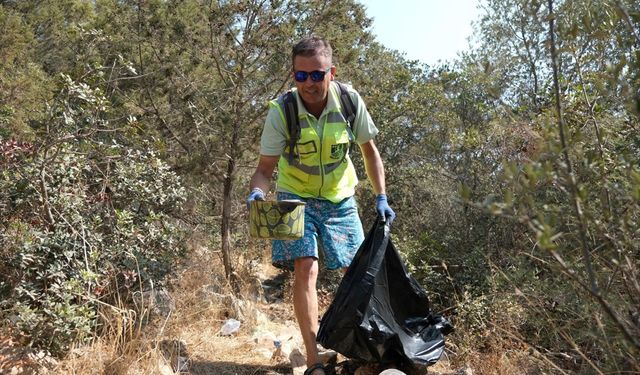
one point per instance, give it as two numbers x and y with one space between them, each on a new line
274 133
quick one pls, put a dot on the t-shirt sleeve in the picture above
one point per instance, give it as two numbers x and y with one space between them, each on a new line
364 129
274 134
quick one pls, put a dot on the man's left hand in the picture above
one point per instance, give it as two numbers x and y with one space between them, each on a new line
384 211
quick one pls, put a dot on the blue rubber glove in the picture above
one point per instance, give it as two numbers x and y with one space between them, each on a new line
256 195
384 211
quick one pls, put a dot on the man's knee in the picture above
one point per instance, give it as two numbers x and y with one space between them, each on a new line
306 268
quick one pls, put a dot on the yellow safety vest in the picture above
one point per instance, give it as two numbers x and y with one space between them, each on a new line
319 168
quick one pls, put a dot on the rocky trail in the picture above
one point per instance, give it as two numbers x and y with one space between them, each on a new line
199 329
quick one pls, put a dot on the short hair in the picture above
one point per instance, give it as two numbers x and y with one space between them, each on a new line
311 46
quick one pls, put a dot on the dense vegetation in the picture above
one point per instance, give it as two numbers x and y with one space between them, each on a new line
128 126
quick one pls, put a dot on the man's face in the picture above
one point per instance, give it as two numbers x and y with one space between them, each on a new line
313 94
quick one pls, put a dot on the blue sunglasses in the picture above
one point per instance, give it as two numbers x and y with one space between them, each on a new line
316 75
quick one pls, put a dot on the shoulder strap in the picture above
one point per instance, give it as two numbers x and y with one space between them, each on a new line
348 111
348 108
293 124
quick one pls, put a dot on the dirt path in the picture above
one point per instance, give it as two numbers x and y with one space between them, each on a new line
189 339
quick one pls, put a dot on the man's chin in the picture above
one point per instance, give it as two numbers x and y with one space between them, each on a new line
312 99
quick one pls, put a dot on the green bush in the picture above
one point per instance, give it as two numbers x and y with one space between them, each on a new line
82 223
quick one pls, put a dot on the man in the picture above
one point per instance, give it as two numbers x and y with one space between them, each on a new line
319 172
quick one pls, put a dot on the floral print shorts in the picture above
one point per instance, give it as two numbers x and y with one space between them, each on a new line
332 233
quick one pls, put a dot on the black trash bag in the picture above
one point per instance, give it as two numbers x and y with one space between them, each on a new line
380 313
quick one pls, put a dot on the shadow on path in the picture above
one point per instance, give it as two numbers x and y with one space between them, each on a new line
230 368
275 286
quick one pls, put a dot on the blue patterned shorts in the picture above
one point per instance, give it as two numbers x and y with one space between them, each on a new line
333 227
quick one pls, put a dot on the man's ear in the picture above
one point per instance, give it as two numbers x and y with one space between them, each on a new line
333 72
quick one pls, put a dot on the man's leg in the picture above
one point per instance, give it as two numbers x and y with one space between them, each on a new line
305 305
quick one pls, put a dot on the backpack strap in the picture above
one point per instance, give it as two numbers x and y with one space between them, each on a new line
348 111
348 108
293 124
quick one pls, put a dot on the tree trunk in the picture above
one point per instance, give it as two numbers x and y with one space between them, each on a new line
226 219
232 278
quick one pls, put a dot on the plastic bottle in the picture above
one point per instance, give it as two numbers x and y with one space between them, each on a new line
229 327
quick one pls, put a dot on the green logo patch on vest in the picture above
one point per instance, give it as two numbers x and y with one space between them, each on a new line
337 151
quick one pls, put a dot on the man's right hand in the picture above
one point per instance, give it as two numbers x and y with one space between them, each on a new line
256 195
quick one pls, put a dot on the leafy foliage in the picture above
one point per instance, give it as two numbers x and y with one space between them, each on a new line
80 218
573 189
117 113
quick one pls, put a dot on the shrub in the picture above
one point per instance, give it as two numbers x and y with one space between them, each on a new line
83 223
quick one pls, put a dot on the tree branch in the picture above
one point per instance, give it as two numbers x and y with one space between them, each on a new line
628 21
573 190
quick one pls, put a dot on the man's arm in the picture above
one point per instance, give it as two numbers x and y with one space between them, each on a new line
373 166
375 171
262 177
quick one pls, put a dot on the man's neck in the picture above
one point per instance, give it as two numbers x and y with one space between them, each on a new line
315 110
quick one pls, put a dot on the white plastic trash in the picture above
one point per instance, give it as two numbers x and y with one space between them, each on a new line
229 327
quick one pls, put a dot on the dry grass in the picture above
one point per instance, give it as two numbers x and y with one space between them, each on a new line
192 331
190 335
502 363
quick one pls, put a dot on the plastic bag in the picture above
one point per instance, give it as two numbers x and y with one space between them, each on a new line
380 313
229 327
